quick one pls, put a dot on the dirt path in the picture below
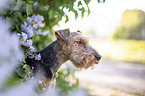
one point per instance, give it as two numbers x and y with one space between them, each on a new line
114 78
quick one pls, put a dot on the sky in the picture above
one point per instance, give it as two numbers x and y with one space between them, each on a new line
104 17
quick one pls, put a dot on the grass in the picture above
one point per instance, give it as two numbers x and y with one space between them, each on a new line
121 50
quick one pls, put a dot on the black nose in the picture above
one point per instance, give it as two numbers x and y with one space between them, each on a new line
98 57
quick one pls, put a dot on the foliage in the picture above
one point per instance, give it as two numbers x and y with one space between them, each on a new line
51 10
132 25
33 21
68 80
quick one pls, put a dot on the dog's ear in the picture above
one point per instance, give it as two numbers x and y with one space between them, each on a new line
62 35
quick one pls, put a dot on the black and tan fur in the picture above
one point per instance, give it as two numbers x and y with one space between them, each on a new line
73 46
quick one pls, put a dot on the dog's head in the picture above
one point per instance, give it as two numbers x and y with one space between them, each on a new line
76 47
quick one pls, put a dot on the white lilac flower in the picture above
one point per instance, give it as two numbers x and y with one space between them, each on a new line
31 48
34 17
46 7
43 89
24 66
44 33
18 34
29 20
23 27
40 18
60 7
35 26
38 57
39 32
25 23
40 82
29 73
23 43
28 43
36 21
24 36
32 77
32 68
29 31
40 24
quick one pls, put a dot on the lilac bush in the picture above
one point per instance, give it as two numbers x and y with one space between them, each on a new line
33 22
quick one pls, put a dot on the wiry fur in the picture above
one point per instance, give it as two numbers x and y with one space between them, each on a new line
82 56
66 47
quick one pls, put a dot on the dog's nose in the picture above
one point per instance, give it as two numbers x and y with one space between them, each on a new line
98 57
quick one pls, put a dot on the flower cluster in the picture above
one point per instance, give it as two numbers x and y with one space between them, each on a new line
38 57
25 41
31 24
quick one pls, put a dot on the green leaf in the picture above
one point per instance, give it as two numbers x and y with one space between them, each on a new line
9 21
18 15
76 14
43 8
79 3
28 69
29 1
67 19
103 1
21 72
19 4
71 3
29 9
87 2
13 80
83 11
77 82
89 11
58 18
50 14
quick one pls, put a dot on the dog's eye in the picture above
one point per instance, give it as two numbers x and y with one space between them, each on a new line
79 42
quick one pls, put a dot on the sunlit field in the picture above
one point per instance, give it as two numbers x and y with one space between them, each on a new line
121 50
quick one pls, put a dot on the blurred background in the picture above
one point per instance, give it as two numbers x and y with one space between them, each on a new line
116 29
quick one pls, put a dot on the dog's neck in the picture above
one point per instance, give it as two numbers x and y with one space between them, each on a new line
53 57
